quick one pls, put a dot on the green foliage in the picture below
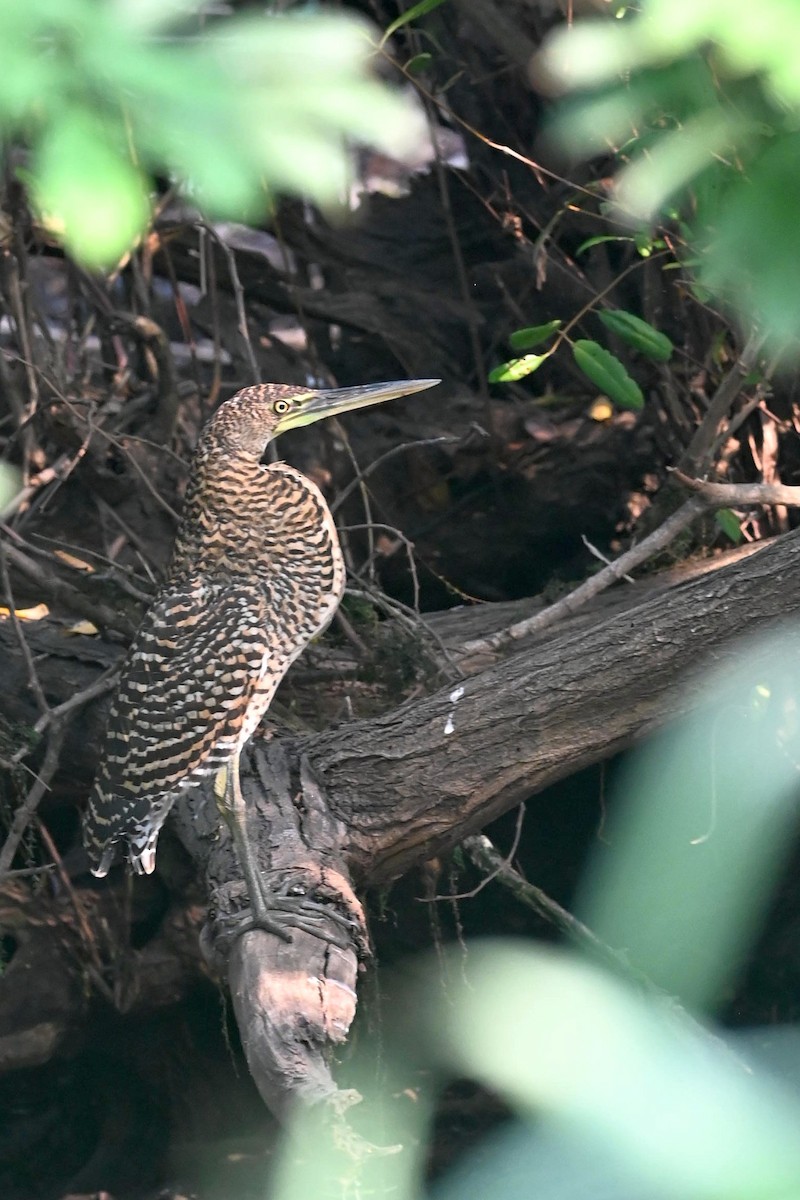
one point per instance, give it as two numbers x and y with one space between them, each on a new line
729 524
600 365
532 335
106 95
608 373
10 483
411 14
419 63
712 90
637 333
517 368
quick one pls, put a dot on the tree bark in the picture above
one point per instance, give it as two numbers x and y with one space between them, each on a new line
410 784
359 804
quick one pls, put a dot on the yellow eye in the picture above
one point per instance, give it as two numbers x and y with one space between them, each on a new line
281 407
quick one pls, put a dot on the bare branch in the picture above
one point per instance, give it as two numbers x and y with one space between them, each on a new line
739 495
646 549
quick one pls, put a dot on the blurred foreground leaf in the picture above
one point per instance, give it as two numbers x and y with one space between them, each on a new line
106 99
705 825
675 1109
701 100
10 483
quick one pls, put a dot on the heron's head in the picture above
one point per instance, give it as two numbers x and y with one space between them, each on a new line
256 415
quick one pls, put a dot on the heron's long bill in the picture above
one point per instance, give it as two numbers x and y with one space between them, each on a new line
330 402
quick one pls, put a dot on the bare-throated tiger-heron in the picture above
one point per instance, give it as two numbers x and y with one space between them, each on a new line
255 574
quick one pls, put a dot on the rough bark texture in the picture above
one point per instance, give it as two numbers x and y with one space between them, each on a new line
371 798
407 789
293 1000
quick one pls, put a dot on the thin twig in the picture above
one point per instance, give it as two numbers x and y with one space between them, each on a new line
100 687
488 858
368 565
399 537
495 871
37 482
238 295
33 675
167 398
644 550
27 872
365 473
593 550
79 558
485 856
697 456
350 634
24 332
474 318
24 814
78 908
56 722
409 620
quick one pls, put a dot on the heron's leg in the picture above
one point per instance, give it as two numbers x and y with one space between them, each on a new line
228 792
268 910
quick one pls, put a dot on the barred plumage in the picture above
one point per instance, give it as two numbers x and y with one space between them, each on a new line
255 574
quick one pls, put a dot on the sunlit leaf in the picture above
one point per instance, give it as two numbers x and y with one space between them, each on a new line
608 373
637 333
37 613
601 409
81 628
645 244
517 368
86 191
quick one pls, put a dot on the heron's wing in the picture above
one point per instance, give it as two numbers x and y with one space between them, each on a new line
180 706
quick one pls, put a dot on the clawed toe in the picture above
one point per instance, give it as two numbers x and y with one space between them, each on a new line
280 914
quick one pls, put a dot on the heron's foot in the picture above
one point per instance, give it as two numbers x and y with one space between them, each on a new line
280 914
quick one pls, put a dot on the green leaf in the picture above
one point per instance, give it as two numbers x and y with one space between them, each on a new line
419 63
86 190
729 523
646 244
599 240
10 483
267 125
608 373
532 335
416 10
151 15
637 333
517 368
